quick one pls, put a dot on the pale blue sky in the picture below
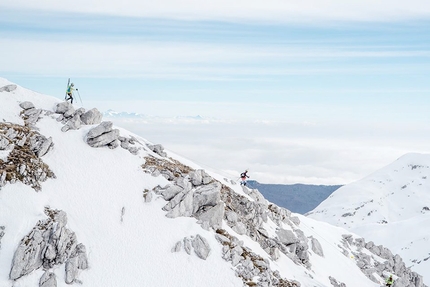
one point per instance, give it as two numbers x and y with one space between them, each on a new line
353 70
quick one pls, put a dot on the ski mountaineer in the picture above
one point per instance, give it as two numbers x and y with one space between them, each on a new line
243 177
389 281
69 92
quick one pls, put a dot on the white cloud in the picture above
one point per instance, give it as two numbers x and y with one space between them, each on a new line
269 10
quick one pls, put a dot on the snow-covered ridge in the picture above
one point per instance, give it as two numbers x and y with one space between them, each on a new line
125 212
390 206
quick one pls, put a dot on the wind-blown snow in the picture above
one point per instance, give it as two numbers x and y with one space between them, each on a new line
94 185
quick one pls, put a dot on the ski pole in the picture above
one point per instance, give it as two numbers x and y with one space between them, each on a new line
80 97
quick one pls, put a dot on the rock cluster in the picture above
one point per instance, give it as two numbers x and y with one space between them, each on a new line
193 193
198 243
8 88
50 244
248 265
193 196
25 148
104 135
74 119
381 262
158 149
30 114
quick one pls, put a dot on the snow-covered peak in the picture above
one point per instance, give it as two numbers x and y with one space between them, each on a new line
390 206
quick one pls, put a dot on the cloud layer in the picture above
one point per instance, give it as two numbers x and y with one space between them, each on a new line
269 10
277 152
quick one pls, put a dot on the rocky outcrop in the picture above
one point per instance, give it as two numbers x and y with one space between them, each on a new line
8 88
250 267
102 135
74 119
49 244
25 149
371 264
186 199
198 243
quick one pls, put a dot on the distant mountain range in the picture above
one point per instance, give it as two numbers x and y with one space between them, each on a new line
126 115
299 198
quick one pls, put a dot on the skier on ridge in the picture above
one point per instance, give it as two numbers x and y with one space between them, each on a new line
389 281
243 177
69 92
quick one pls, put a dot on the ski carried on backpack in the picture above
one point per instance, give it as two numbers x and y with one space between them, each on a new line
68 84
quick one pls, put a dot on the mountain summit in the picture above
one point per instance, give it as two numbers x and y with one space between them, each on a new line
390 207
84 202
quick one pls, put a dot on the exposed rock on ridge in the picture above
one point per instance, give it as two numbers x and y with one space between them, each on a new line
195 194
48 245
25 148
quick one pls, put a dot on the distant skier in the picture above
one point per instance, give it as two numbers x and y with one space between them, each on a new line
243 177
389 281
69 92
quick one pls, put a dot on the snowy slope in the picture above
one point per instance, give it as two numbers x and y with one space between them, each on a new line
390 207
129 240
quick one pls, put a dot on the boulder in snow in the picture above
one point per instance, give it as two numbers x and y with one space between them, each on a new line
92 117
26 105
8 88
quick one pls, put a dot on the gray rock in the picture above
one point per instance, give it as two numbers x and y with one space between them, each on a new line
187 245
158 149
48 279
64 107
26 105
104 139
211 217
169 191
49 244
2 228
222 239
114 144
41 145
8 88
316 247
287 237
73 123
4 143
177 247
180 205
201 247
239 228
103 128
206 195
31 116
71 270
27 257
92 117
